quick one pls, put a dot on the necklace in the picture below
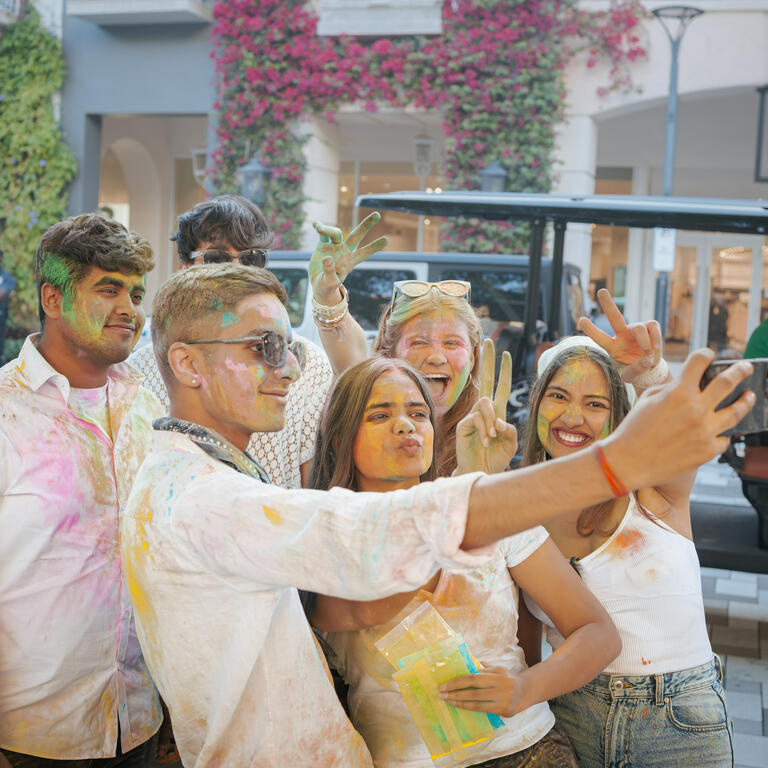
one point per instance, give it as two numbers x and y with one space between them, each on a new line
215 446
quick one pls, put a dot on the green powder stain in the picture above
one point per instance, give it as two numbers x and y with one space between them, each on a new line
214 305
606 430
56 271
542 429
229 319
460 384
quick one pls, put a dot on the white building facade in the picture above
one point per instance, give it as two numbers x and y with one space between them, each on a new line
138 107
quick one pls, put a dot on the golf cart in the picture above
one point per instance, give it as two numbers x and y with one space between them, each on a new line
697 214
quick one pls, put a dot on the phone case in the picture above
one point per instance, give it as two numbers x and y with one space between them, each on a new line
757 419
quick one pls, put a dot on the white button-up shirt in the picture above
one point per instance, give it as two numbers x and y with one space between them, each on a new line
213 558
70 662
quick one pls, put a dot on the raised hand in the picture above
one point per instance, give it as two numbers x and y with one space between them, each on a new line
678 427
636 346
484 439
334 257
493 689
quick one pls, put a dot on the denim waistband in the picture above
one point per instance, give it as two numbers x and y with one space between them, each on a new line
658 686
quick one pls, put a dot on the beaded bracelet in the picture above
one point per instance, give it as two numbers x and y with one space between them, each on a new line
334 314
616 485
328 325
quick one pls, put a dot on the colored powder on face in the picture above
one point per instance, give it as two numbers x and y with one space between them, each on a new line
272 515
606 430
548 412
215 305
229 319
459 384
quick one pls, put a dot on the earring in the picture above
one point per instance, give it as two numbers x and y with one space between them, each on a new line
194 381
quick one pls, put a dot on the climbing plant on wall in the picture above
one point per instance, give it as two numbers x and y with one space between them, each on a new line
495 73
35 164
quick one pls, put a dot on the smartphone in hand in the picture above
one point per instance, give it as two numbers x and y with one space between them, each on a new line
757 419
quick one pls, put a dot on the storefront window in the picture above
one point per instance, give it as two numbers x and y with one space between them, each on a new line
400 228
610 245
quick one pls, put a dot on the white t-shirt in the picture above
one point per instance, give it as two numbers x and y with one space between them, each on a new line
481 605
91 405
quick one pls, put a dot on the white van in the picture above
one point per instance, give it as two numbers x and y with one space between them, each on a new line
499 286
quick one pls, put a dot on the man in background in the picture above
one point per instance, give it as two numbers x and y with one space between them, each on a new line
7 284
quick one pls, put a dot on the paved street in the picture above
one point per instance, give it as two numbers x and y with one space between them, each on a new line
736 606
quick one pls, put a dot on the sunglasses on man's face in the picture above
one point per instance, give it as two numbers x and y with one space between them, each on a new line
252 257
273 346
413 289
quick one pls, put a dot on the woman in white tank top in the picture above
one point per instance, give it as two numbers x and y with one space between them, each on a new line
659 703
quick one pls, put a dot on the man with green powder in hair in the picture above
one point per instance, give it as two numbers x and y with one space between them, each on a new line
74 427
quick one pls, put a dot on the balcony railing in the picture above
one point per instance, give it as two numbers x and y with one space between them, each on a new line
111 12
10 10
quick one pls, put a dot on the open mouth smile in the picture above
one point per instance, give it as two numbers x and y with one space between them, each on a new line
570 439
438 383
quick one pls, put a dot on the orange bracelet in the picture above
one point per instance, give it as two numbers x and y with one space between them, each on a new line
616 485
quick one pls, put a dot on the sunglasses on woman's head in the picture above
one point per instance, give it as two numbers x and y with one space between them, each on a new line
413 289
273 346
252 257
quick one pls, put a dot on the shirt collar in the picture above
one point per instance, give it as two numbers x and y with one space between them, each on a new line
215 446
37 371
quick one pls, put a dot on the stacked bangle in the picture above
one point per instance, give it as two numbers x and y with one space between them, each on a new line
331 317
617 486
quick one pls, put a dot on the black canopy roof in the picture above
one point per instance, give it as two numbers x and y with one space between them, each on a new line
695 213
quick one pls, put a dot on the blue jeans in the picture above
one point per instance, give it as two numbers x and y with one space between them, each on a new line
656 721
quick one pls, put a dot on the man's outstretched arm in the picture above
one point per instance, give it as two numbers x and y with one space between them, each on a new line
672 430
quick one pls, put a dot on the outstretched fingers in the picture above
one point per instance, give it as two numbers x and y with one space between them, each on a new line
361 254
590 329
328 234
611 310
504 387
487 368
355 237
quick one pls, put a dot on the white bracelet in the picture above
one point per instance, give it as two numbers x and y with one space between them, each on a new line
331 315
653 376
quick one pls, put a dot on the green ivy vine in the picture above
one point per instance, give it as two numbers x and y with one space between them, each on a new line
35 165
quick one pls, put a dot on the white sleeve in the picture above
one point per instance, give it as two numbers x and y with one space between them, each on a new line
359 546
522 545
144 361
319 376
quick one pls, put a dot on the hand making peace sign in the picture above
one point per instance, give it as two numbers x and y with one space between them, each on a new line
636 346
334 257
484 439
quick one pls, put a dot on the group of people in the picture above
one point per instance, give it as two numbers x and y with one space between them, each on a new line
215 520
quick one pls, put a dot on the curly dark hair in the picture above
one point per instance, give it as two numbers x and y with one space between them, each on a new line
228 220
71 247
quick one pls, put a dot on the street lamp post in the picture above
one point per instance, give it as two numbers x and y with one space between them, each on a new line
422 162
493 178
253 180
675 20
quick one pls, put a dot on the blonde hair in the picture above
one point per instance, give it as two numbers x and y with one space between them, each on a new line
184 304
390 332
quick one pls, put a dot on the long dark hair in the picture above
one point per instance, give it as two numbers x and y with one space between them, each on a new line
592 518
334 464
390 330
